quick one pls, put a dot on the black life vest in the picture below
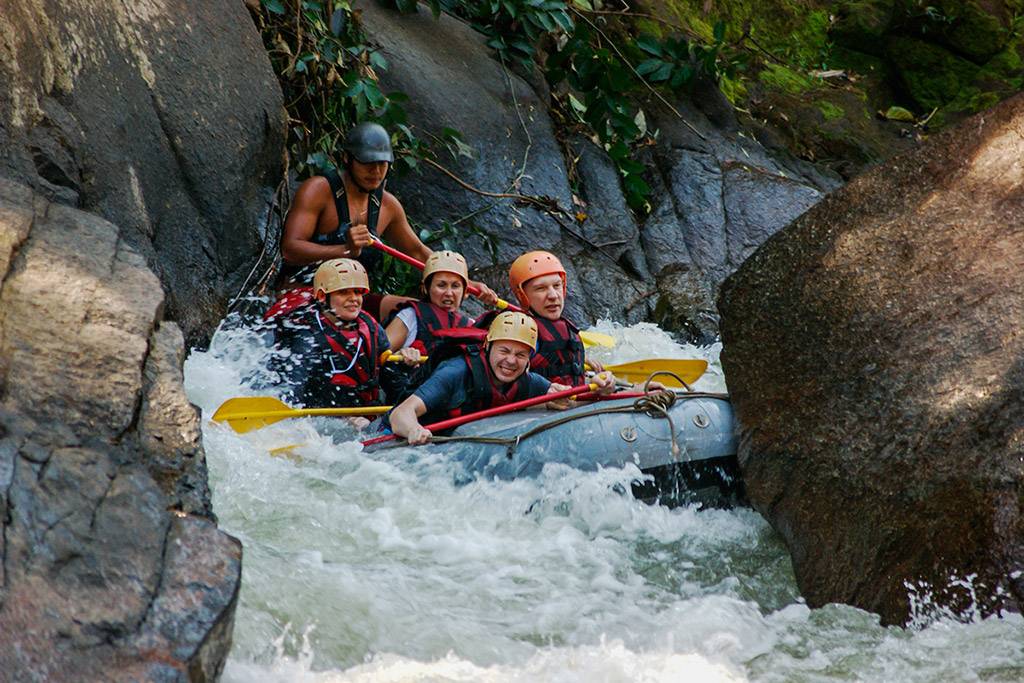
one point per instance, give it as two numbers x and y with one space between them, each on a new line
483 390
560 354
327 364
370 258
354 368
400 380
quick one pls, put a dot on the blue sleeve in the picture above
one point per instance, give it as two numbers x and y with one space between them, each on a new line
445 389
538 384
382 339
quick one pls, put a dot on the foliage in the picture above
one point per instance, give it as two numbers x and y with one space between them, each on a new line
401 278
329 75
604 87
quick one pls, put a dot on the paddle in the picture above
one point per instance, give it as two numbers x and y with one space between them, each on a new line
253 412
639 370
589 338
508 408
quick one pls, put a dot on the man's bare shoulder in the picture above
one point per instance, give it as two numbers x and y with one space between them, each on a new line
313 190
391 201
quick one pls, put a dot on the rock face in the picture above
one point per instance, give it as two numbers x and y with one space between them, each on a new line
718 194
162 116
112 568
874 355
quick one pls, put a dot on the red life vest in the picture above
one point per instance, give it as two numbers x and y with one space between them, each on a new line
484 390
560 355
430 319
354 367
290 301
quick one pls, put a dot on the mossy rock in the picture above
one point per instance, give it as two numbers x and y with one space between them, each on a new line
932 75
793 30
862 25
784 79
971 29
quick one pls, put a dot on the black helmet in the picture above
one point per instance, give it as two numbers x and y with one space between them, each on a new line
369 142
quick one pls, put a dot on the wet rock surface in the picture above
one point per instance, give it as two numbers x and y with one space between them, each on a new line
718 192
112 568
874 357
162 116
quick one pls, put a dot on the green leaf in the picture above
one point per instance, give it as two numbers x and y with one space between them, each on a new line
719 31
650 45
649 66
576 105
275 6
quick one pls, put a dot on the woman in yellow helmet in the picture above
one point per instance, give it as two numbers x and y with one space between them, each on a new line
417 328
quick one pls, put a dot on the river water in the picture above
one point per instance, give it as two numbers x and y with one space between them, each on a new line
361 568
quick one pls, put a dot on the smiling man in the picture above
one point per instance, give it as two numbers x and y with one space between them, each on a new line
484 377
339 216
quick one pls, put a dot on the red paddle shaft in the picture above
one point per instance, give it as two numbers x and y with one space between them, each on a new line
377 244
508 408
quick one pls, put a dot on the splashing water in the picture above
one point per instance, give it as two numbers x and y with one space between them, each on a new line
363 568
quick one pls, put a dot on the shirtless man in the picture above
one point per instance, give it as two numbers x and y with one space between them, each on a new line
320 226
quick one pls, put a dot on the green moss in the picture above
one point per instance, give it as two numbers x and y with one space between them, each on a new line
734 89
785 79
974 32
861 25
830 111
932 75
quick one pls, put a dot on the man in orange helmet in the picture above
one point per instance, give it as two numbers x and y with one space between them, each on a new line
538 282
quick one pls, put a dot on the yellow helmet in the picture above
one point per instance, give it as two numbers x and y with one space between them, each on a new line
511 326
446 262
340 273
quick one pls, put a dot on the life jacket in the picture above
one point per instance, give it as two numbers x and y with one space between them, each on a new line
400 380
485 391
369 257
482 389
289 302
560 354
430 318
354 367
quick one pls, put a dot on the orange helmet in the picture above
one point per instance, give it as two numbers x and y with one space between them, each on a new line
530 265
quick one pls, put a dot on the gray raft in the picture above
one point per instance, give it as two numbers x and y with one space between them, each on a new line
613 433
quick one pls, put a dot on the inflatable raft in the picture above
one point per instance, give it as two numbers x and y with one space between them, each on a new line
686 445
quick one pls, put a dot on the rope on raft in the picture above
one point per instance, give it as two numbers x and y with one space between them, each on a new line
655 404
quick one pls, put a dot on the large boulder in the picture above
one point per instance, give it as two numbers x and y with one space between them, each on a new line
162 116
876 363
111 565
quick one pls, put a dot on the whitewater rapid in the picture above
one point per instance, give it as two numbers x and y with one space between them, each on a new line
379 568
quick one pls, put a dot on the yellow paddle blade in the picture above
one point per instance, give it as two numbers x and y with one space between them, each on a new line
253 412
597 339
638 371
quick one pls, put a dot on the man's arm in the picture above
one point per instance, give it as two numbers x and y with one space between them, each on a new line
399 233
297 246
405 420
403 237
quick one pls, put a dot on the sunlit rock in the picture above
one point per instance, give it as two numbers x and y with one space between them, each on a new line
100 465
875 358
